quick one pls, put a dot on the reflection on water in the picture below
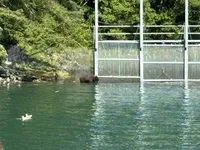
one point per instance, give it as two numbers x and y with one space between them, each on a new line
113 122
187 117
105 116
146 117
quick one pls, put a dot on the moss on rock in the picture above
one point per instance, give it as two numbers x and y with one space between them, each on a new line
3 54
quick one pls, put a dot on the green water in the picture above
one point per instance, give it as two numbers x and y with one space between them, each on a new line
107 116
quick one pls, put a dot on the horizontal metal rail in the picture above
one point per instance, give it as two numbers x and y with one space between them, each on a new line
194 41
147 26
130 77
151 33
119 41
193 62
194 80
119 59
119 26
163 41
171 45
162 62
194 45
170 80
118 33
163 45
147 62
155 42
163 80
146 41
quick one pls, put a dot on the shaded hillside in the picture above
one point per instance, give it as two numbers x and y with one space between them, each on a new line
48 33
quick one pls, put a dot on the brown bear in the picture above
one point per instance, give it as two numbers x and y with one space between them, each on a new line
89 79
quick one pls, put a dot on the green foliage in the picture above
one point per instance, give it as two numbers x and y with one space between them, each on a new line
44 28
119 11
12 23
69 4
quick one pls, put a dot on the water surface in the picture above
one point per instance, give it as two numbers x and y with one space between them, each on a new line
111 116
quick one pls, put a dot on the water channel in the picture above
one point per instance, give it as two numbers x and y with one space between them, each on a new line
105 116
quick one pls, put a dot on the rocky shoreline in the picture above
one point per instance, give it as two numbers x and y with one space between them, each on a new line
15 75
8 75
17 66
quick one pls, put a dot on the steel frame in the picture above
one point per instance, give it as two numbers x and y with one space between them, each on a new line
185 44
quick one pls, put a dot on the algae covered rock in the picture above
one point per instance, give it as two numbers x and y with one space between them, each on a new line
62 75
3 54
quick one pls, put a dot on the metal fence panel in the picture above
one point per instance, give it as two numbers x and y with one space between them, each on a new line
163 53
163 62
118 59
160 71
194 62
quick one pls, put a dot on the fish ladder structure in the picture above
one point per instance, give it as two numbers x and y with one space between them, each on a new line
142 58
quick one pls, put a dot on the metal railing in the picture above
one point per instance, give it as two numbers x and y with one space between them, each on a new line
180 42
147 44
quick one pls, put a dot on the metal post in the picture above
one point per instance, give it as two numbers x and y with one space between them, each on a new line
96 66
186 44
141 42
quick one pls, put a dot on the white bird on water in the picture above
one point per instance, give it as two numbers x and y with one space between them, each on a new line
26 117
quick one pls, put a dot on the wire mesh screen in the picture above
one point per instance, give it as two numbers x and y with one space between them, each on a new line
163 53
119 59
163 62
194 53
118 68
194 62
163 71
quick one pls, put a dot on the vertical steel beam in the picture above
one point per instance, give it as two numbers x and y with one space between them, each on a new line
96 61
141 42
186 45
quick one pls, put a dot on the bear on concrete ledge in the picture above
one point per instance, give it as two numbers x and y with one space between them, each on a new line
89 79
